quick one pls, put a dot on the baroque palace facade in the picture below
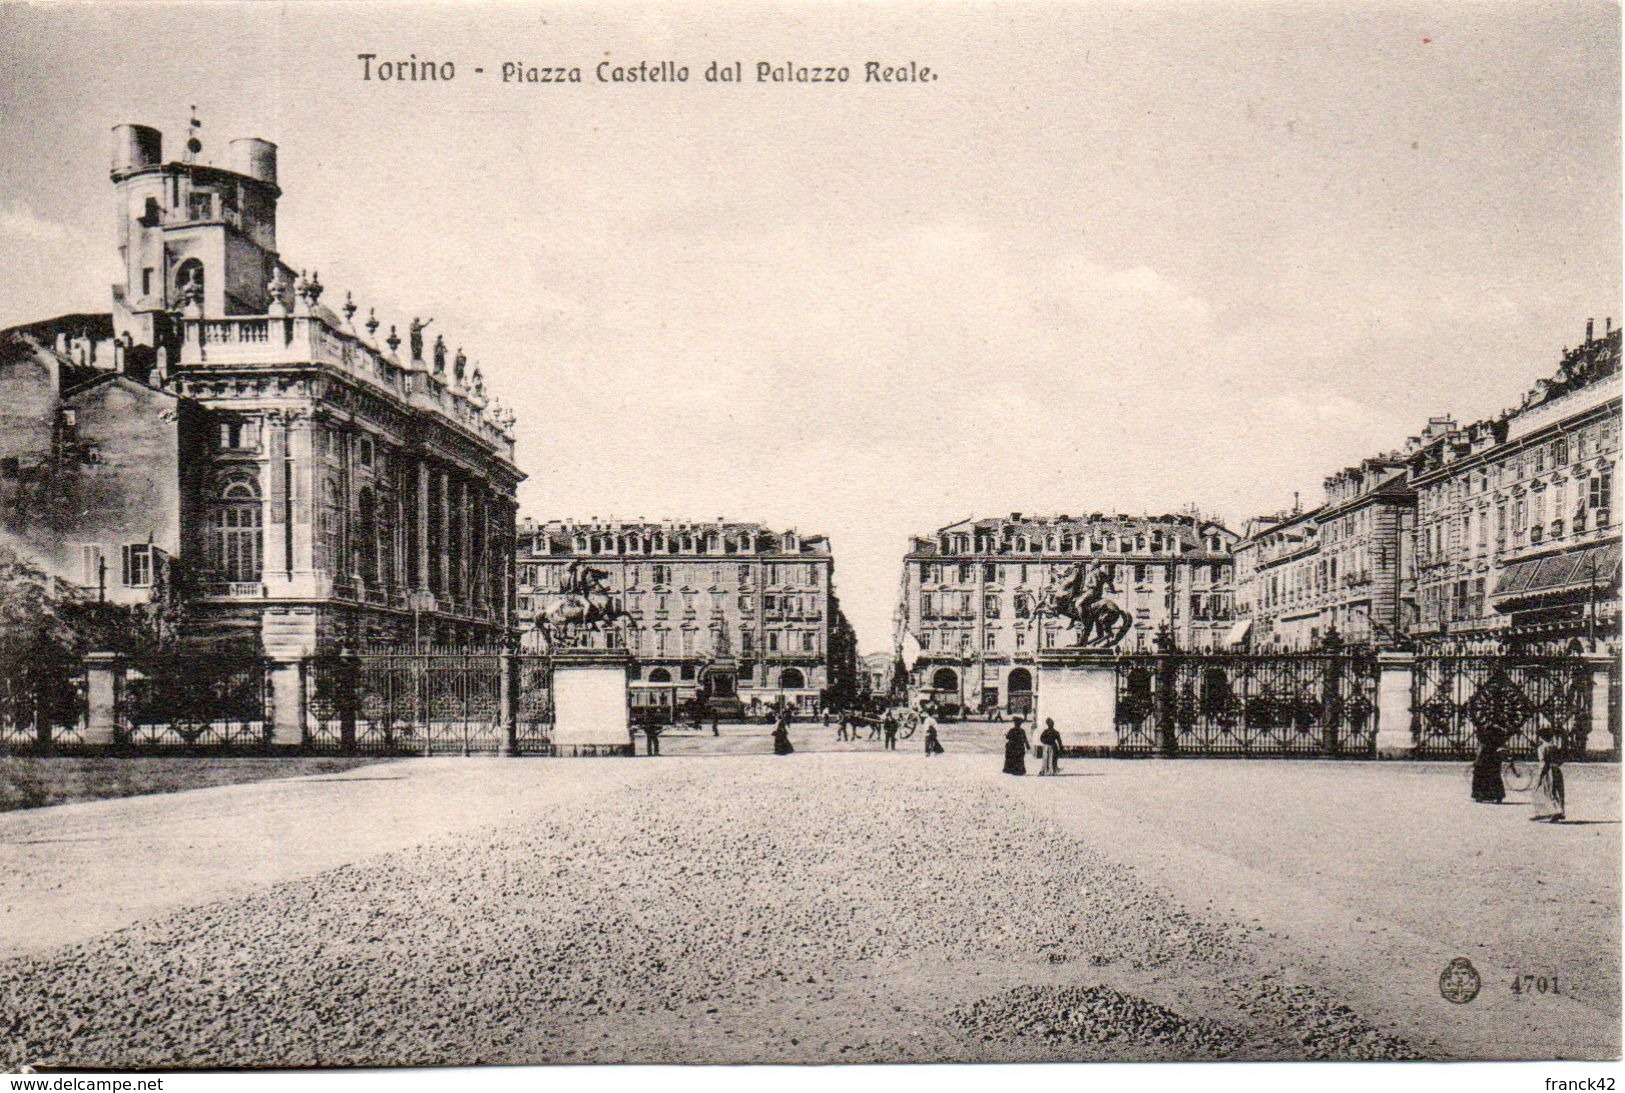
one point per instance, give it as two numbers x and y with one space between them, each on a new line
965 618
736 613
222 436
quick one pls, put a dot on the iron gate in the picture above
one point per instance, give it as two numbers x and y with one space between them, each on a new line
1295 704
1454 697
440 702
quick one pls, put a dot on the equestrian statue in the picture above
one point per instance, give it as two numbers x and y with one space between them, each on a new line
1078 592
584 609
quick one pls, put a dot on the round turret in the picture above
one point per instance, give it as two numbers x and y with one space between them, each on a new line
253 157
136 147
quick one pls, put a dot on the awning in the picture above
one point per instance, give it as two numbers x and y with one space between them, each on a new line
1580 569
1238 633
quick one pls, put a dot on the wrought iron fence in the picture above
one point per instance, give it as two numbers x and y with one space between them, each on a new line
217 701
1456 698
42 705
533 713
438 702
1299 704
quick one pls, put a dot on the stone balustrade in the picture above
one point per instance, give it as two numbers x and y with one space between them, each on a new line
249 340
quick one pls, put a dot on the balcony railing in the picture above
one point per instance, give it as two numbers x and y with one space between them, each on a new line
236 590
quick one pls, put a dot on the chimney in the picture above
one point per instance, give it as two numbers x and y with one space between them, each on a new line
1588 331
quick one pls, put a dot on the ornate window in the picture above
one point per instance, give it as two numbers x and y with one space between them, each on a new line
235 552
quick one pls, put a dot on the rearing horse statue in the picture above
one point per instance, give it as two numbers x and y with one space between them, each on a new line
1079 593
585 608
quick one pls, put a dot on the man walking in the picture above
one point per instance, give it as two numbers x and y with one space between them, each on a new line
651 737
891 732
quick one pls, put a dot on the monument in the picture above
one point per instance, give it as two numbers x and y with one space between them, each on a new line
590 666
1077 684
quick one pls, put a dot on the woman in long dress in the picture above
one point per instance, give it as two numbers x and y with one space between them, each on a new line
1487 784
781 735
1015 750
1547 796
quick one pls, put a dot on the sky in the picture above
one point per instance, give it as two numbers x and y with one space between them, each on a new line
1118 257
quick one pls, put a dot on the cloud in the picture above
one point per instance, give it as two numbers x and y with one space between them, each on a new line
19 222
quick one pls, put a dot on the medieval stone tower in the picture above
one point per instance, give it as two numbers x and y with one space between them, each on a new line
193 239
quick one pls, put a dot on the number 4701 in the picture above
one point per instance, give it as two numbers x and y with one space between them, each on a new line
1534 984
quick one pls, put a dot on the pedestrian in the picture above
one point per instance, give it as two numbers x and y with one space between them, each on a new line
781 736
844 730
1051 742
1015 750
932 745
1547 797
891 732
651 737
1488 786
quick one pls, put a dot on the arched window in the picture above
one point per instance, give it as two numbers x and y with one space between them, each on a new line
1020 682
660 675
791 679
189 279
945 679
234 532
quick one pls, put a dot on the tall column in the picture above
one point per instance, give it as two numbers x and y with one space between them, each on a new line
465 530
301 507
443 578
276 561
420 548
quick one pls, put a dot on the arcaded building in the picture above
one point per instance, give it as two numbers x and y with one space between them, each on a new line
733 611
967 590
297 477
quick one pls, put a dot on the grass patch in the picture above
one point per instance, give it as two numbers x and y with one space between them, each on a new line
37 781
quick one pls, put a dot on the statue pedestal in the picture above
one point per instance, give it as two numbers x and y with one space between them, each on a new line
1077 689
589 702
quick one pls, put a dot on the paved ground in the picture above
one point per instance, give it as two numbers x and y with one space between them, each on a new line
816 907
